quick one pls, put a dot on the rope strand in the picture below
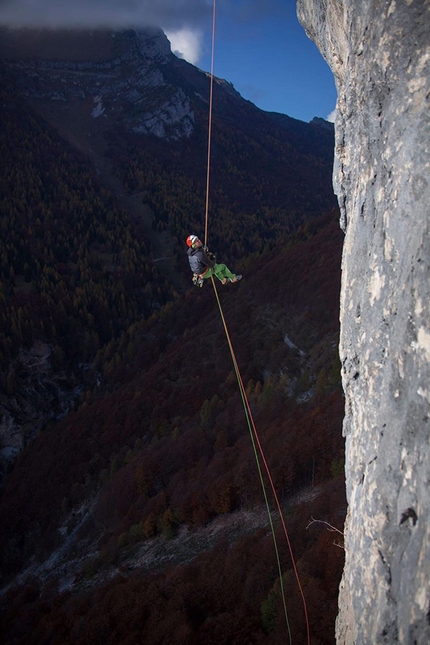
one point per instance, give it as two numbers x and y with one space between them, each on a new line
255 436
248 416
255 440
210 124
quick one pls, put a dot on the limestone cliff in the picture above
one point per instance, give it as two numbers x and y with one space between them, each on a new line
380 56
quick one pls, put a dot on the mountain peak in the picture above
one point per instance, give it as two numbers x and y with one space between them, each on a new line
322 123
153 41
79 45
119 76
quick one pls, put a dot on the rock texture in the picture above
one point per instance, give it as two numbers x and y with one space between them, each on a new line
380 56
118 76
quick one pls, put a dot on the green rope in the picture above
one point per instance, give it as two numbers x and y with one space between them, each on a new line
257 460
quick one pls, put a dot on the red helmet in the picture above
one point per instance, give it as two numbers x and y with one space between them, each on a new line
191 239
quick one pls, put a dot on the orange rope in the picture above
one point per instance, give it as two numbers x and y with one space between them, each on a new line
240 381
210 124
260 448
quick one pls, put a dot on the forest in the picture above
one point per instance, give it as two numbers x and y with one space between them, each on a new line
71 266
156 450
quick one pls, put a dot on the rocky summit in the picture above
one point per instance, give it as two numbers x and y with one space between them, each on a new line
119 76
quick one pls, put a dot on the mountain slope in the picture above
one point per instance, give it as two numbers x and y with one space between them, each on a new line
126 95
166 446
105 148
94 214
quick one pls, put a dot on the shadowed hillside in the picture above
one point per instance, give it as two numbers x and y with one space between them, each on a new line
133 511
166 445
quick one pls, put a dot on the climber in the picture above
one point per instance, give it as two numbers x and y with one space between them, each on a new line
203 265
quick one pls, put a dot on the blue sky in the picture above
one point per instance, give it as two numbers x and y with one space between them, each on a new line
263 50
260 46
271 62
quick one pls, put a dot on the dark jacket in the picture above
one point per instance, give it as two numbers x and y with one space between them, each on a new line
199 261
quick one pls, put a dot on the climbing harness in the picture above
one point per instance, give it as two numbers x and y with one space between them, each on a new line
256 444
197 280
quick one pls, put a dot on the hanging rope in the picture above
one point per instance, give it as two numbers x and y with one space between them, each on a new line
256 441
210 123
251 425
248 416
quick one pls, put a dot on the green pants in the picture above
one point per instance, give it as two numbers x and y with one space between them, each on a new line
221 272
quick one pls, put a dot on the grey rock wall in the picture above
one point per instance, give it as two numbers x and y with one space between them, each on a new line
379 53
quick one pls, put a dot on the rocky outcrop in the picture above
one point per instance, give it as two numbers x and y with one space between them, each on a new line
119 77
380 56
37 394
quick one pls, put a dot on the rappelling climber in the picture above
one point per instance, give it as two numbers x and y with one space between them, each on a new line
203 264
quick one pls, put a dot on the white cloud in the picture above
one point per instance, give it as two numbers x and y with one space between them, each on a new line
186 43
332 116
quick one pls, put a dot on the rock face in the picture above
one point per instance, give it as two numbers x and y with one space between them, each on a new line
118 76
380 56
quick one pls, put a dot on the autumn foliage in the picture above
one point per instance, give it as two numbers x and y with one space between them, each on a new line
164 444
157 447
